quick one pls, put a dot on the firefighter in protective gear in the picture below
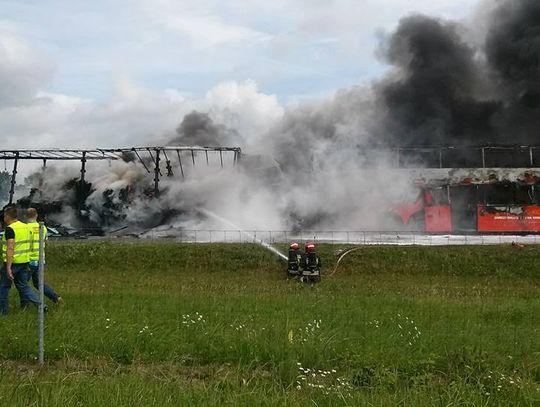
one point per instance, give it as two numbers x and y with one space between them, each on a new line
311 263
31 216
295 260
16 242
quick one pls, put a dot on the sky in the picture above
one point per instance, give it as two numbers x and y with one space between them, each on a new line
121 73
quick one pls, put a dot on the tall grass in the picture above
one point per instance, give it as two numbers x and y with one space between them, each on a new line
210 324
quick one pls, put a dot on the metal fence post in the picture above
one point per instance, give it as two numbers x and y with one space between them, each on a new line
41 309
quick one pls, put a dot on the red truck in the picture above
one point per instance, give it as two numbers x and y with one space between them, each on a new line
467 207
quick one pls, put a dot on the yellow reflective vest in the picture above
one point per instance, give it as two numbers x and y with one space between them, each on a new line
34 244
21 250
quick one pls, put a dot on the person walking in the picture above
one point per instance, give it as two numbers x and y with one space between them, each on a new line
15 257
31 218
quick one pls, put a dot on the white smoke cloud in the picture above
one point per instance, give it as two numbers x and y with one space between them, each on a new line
241 106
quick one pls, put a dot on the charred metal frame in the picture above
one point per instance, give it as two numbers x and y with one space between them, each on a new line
436 152
98 154
13 178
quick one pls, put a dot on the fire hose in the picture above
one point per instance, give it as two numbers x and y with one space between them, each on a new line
346 252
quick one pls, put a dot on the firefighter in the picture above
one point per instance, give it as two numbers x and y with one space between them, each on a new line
312 262
15 256
31 217
295 259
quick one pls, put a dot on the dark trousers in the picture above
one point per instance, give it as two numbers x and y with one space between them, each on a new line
33 273
20 279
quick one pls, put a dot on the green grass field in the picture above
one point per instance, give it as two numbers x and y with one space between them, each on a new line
219 324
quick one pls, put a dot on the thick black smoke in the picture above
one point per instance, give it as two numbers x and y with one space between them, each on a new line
434 102
198 129
513 52
444 90
449 93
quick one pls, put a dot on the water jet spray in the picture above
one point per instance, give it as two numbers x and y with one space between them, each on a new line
251 236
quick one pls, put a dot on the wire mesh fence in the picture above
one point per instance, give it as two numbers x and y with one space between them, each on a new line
332 237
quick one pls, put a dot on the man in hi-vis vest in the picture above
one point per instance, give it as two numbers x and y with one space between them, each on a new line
31 218
16 256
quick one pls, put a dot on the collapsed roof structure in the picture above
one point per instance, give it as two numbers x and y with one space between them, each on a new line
156 155
156 161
